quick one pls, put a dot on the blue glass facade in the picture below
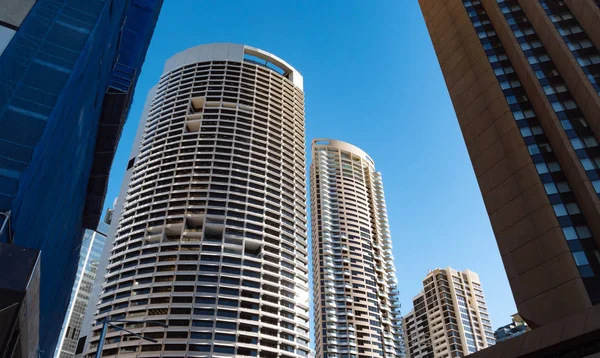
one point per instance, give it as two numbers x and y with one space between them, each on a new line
66 83
90 255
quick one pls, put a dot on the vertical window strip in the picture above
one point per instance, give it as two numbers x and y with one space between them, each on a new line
568 214
582 139
582 48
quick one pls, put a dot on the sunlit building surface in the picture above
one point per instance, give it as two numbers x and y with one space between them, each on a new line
212 239
523 76
356 308
449 317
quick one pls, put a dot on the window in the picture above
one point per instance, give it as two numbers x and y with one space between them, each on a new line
596 184
580 258
226 313
224 337
132 160
550 188
224 349
199 348
583 232
570 233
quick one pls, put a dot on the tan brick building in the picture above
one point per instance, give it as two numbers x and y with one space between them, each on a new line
449 316
524 76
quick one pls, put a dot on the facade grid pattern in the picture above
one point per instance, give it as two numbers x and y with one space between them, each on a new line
417 338
91 251
582 139
453 319
567 211
581 46
212 239
356 310
521 76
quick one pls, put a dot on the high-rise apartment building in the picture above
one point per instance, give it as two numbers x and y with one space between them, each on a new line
212 237
415 324
356 308
67 75
516 328
522 75
89 257
449 318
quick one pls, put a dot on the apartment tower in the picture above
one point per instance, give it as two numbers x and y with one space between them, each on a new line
449 318
212 239
523 77
356 309
415 324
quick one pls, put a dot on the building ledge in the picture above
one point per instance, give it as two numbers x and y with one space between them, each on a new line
577 335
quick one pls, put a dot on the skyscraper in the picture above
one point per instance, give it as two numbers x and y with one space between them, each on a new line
89 257
356 309
417 337
522 75
212 239
67 75
450 317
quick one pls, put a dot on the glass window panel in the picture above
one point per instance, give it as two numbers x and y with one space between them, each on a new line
566 124
580 258
526 132
570 233
596 184
530 114
533 149
559 210
554 167
550 188
587 164
557 106
586 271
577 143
518 115
537 130
563 187
573 208
541 168
590 142
583 232
570 104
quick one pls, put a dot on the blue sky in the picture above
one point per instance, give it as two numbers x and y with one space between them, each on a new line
371 78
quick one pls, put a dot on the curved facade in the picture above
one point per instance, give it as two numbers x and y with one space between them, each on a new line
354 279
212 238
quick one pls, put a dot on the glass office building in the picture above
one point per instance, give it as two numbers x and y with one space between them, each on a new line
67 74
89 258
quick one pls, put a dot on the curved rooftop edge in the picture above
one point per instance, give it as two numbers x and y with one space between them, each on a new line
233 52
338 144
